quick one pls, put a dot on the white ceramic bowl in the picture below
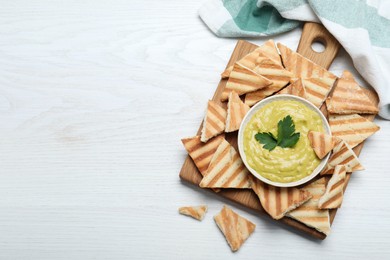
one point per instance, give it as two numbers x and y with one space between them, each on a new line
248 117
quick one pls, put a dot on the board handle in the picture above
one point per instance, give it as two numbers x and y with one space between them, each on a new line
314 32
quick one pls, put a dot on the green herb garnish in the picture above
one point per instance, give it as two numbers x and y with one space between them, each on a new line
286 135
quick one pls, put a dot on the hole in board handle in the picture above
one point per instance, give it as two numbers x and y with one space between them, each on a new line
318 45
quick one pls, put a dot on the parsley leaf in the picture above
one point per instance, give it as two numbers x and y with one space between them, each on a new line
267 139
286 136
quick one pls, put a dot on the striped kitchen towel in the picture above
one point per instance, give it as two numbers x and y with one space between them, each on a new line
361 27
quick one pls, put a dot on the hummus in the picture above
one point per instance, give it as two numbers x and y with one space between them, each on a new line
282 164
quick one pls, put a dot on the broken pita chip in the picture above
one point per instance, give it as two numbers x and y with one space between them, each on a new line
236 112
201 153
214 121
343 155
333 196
349 98
353 129
226 170
243 80
309 213
277 201
225 74
197 212
322 143
235 228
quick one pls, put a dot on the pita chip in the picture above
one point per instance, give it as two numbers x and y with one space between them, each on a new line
235 228
225 74
226 170
243 80
201 153
322 143
286 90
333 196
317 80
196 212
343 155
349 98
214 121
317 89
295 88
353 129
309 213
235 112
302 67
278 201
279 76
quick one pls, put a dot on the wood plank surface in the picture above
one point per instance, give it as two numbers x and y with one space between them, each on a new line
312 32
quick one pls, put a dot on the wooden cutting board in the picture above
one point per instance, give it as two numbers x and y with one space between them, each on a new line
312 32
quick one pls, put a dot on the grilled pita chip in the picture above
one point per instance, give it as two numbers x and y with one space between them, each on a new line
317 89
201 153
235 112
214 121
243 80
197 212
349 98
279 76
353 129
317 80
333 196
295 88
225 74
268 50
343 155
322 143
298 89
226 170
235 228
286 90
278 201
302 67
309 213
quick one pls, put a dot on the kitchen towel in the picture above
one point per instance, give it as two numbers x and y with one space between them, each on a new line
361 27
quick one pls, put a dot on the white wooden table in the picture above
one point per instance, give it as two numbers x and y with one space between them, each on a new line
94 99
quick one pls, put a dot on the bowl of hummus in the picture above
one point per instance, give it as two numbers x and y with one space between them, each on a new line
273 141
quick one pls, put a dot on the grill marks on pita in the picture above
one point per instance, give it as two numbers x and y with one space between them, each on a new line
235 228
317 80
201 153
279 76
214 121
349 98
236 112
353 129
243 80
278 201
322 143
226 170
333 196
196 212
343 155
309 213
